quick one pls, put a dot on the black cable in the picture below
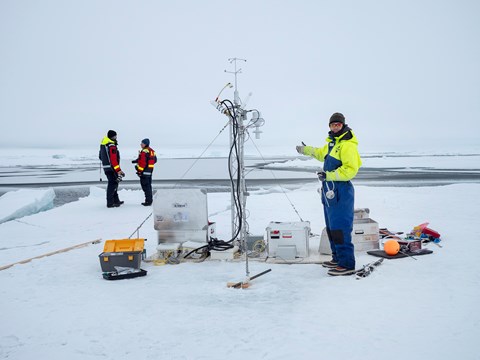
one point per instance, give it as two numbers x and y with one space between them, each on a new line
235 196
234 143
214 243
240 209
235 189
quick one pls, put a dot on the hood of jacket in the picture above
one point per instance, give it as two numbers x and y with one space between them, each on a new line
346 134
106 140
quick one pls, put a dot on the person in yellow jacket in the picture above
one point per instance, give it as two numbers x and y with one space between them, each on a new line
109 155
341 162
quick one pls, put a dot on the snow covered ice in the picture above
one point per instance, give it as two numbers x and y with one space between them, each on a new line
60 307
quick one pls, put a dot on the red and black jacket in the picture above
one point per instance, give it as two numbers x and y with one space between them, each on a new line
146 161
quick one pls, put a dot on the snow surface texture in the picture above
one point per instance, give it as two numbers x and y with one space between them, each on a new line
60 307
20 203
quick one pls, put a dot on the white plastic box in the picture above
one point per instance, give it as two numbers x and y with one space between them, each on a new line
283 236
228 254
181 215
364 235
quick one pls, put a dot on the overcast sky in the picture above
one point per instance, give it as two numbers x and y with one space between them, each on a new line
403 72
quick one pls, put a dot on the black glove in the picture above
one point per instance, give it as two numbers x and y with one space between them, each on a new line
119 178
300 149
322 175
134 161
139 174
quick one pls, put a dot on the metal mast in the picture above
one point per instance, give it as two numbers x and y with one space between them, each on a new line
239 126
236 164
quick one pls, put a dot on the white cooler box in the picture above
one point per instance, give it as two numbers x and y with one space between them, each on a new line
288 240
364 235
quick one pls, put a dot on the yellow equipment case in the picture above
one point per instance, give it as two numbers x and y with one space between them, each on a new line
125 253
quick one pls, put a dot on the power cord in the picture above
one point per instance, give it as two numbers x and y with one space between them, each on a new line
214 243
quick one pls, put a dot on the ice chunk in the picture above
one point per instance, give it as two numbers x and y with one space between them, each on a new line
24 202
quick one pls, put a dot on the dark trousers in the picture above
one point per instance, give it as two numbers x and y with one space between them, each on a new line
112 188
146 182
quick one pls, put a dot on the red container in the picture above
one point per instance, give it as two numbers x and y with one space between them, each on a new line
430 232
423 229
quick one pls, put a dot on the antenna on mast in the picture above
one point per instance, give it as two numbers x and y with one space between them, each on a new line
236 97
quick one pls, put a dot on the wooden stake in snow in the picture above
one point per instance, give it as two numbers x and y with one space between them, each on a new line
246 284
52 253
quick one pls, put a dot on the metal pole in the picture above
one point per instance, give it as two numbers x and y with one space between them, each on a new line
243 192
241 116
233 210
234 159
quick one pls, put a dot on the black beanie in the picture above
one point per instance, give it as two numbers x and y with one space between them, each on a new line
111 134
337 117
146 142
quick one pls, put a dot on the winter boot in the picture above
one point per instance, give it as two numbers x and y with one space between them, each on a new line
340 271
329 264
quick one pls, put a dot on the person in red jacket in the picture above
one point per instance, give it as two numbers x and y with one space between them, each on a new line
145 163
110 157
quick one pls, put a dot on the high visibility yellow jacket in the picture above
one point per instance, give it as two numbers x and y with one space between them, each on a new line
339 155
